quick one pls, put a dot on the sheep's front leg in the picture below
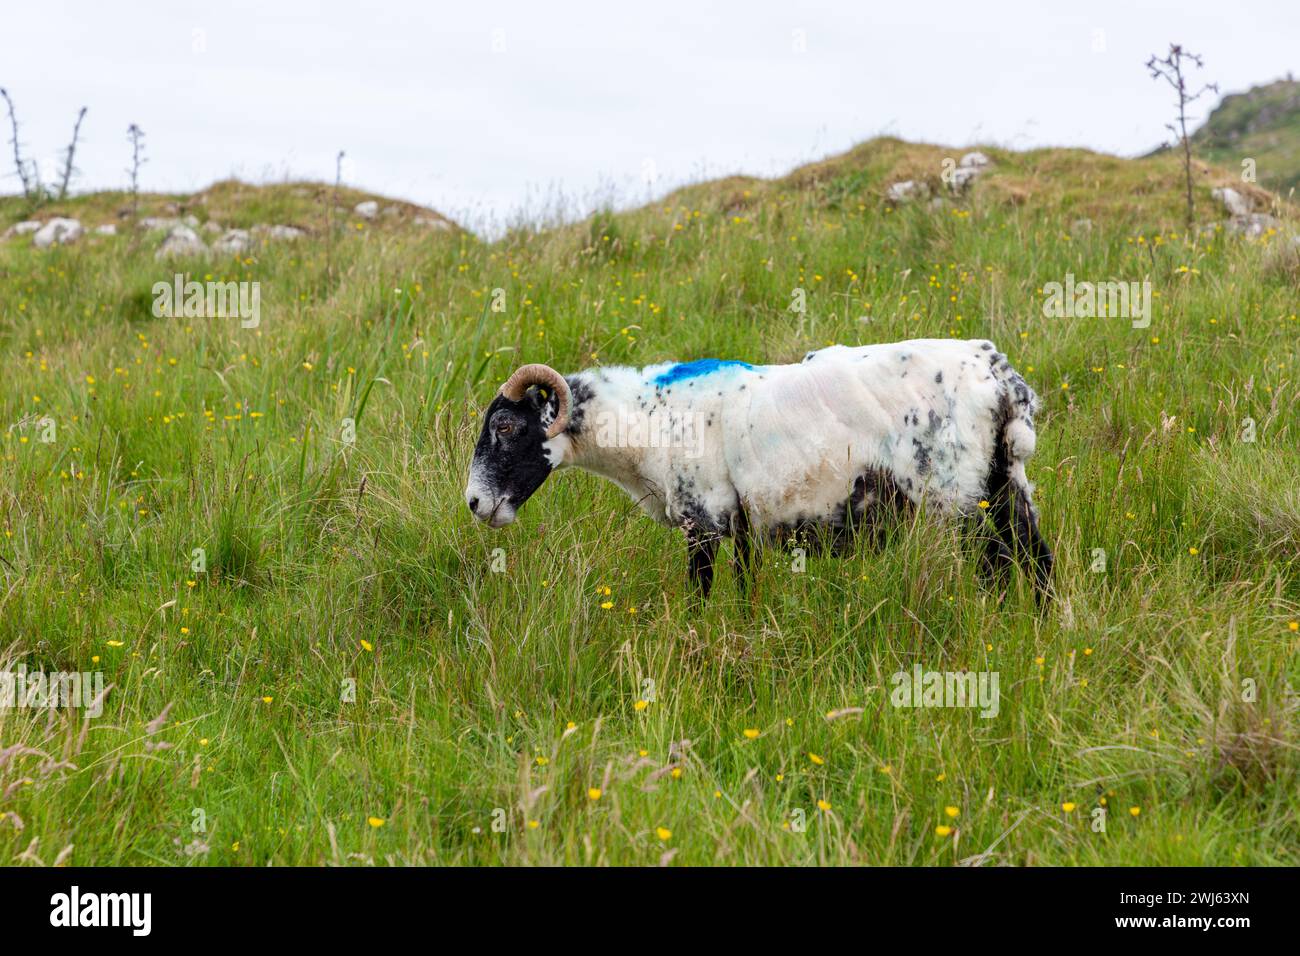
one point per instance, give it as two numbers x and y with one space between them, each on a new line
701 549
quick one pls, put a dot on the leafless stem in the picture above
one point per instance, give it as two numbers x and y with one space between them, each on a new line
68 168
136 135
1171 69
30 189
329 232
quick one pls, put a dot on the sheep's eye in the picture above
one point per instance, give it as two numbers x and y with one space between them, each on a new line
505 428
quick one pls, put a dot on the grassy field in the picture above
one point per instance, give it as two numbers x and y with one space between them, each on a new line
356 676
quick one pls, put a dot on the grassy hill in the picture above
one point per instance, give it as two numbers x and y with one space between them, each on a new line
258 536
230 203
1059 184
1263 124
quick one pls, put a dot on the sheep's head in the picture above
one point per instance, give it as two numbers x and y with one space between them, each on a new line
512 457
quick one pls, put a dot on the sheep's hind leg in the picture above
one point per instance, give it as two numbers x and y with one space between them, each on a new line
1031 549
701 549
745 559
996 558
1016 525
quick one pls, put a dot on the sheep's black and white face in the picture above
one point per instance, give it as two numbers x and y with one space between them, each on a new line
511 459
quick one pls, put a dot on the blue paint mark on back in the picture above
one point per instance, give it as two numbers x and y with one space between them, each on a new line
684 370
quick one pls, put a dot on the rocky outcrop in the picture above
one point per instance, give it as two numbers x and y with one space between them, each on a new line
181 242
57 232
278 233
238 241
233 242
26 227
968 167
1253 225
1243 220
1234 202
958 178
908 190
168 223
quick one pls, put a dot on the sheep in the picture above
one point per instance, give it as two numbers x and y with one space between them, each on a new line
832 444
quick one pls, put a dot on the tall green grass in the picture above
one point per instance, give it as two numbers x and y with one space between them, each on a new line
348 680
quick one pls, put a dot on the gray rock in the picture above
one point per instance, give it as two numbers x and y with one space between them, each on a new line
106 229
367 210
429 222
158 222
22 228
168 222
181 241
238 241
1234 202
1254 225
232 242
907 190
212 228
278 232
57 231
968 168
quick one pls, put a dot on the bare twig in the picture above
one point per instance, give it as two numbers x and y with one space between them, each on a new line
329 224
1170 68
68 168
30 189
136 135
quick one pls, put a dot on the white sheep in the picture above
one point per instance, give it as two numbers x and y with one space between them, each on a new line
730 449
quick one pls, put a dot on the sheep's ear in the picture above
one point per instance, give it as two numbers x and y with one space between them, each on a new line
545 402
541 397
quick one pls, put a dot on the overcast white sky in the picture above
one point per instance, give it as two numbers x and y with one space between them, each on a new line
486 108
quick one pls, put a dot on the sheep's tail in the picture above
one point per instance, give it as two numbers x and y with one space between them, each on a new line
1010 491
1019 405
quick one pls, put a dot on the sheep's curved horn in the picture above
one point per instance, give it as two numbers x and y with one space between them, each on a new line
527 376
